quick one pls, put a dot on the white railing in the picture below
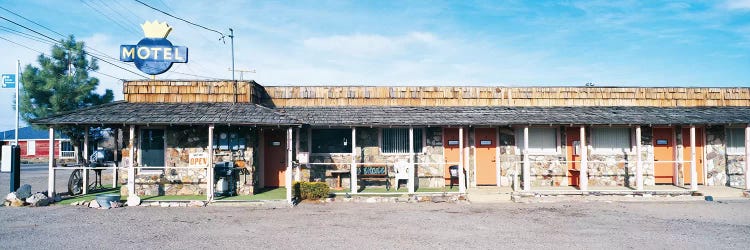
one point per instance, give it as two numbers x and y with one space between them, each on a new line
67 154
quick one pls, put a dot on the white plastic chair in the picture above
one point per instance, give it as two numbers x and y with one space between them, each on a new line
403 170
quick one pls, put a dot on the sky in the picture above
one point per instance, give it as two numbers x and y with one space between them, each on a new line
498 43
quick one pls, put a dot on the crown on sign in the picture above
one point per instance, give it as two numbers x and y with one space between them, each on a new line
156 29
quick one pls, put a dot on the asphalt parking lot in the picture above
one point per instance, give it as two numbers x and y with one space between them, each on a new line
629 225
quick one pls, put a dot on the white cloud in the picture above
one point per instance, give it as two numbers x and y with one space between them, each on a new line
370 45
737 4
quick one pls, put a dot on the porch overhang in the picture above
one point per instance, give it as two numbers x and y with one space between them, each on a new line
126 113
454 116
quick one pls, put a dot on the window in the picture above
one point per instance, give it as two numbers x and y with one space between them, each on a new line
396 140
736 141
610 139
331 141
152 148
541 140
31 147
66 150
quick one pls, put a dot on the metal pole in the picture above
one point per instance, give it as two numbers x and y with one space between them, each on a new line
231 38
18 82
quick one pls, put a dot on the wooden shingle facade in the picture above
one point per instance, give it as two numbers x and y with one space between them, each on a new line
526 137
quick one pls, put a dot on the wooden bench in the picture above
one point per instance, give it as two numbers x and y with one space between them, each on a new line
374 173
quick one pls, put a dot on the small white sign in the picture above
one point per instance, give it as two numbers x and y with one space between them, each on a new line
197 160
303 157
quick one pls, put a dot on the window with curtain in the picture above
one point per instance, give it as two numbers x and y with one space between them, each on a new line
610 139
396 140
736 141
331 141
541 140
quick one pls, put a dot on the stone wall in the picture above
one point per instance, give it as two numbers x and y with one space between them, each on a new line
716 157
509 160
177 179
429 170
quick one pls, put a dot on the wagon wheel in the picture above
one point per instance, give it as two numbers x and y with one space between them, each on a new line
75 183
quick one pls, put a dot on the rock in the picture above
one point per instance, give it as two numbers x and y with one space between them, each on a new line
16 203
74 203
438 199
134 200
38 200
11 196
6 203
371 200
164 204
24 191
94 204
647 195
58 198
115 204
197 204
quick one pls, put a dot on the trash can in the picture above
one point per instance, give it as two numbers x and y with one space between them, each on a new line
225 179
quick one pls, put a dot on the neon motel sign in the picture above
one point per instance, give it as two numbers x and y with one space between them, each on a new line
154 54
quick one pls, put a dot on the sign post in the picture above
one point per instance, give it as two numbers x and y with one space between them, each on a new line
13 81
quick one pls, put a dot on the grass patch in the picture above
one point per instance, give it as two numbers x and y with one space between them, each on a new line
90 196
262 194
402 190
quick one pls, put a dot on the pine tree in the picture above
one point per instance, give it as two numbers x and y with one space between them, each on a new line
61 84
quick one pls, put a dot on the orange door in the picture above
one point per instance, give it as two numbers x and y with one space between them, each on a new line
452 151
573 136
485 142
698 154
663 156
274 162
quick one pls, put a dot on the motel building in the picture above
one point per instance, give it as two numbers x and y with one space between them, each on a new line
171 134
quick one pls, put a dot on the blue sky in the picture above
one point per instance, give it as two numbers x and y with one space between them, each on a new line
510 43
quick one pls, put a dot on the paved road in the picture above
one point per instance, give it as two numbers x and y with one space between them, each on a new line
36 175
588 225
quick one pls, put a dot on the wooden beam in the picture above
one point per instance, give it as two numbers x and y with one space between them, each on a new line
288 172
747 157
297 170
131 162
497 157
693 163
51 167
86 159
353 168
461 175
639 161
526 164
210 167
411 160
118 139
583 182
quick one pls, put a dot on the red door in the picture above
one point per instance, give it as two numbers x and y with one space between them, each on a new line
452 152
698 154
485 142
574 165
274 158
664 165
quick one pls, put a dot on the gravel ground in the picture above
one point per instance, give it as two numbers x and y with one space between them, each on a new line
660 225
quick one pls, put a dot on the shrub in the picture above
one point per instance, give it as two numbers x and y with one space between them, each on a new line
310 190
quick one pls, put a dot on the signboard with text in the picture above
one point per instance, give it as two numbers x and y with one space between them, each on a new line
154 54
9 81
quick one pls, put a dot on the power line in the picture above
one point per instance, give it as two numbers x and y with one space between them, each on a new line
90 54
100 53
108 17
32 21
181 19
20 45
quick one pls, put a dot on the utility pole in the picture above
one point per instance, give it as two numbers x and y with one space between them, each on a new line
231 37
